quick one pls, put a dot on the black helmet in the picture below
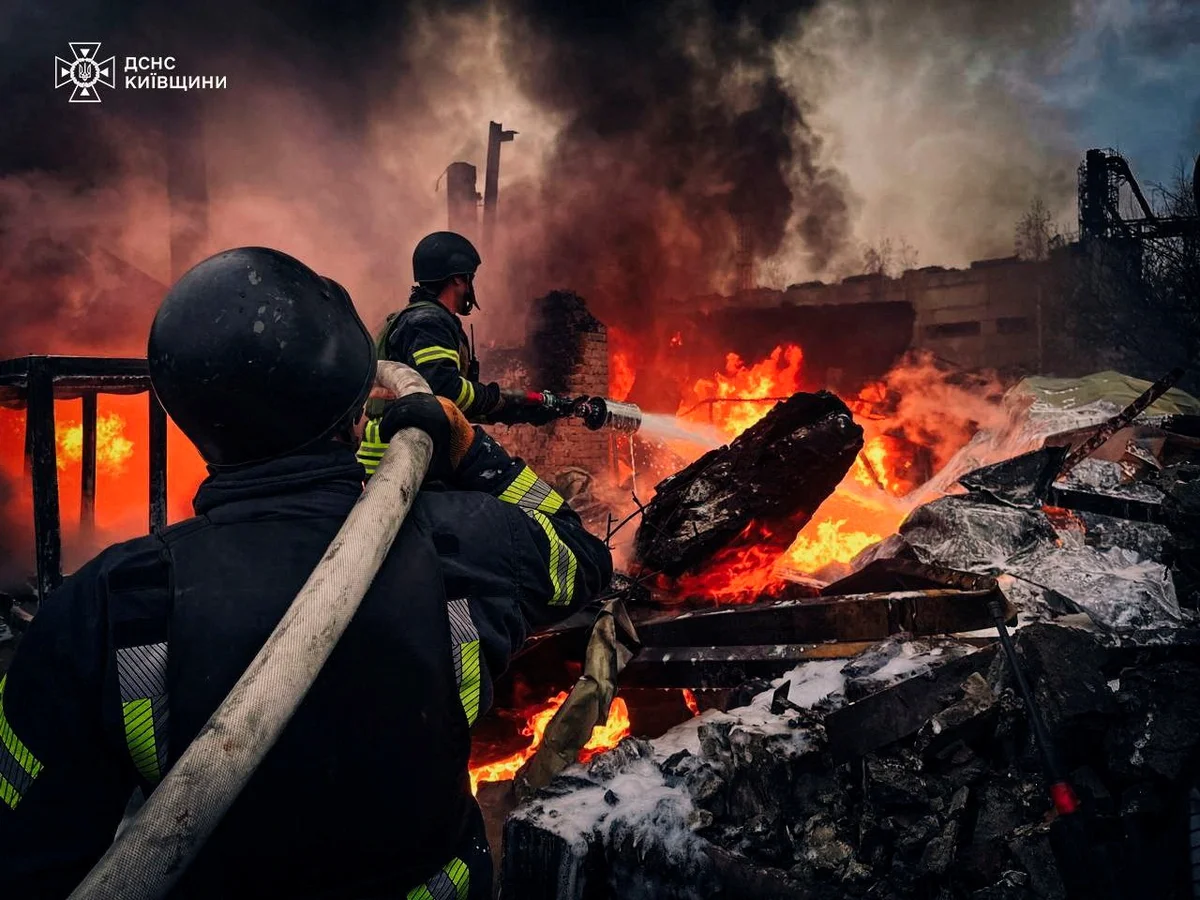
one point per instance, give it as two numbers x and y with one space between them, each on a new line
442 254
255 356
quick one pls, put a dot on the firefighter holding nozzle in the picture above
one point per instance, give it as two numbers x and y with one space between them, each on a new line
428 335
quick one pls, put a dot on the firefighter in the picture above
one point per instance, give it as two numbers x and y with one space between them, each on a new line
428 335
265 366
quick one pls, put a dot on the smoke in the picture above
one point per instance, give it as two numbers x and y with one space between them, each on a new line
679 143
654 140
938 408
932 112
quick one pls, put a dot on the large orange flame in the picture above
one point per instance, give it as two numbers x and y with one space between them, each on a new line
122 471
735 399
113 449
855 517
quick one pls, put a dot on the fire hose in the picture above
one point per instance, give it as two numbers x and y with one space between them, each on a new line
150 855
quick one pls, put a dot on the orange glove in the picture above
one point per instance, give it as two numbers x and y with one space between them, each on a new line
462 434
447 427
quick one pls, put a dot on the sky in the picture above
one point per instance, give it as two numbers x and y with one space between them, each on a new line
1131 81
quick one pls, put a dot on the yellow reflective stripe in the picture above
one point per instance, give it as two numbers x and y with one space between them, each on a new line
21 754
563 564
465 653
429 354
452 883
139 734
460 876
142 681
18 766
9 794
371 449
530 492
472 681
466 394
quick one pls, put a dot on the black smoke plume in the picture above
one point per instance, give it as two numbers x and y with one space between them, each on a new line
680 146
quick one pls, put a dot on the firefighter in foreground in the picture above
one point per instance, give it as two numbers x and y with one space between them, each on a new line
428 335
265 366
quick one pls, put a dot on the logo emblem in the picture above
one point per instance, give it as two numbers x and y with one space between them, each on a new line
86 72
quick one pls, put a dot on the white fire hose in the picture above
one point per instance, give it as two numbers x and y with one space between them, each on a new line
150 855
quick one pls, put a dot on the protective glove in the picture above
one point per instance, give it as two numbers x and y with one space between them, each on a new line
542 415
517 409
444 422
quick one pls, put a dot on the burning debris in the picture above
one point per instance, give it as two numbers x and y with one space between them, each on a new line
909 766
760 490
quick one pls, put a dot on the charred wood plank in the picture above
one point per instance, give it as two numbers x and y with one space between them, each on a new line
725 667
773 475
158 463
540 864
87 480
1108 505
47 527
73 376
897 712
862 617
899 574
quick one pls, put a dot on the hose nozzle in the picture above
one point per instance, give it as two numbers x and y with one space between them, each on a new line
600 412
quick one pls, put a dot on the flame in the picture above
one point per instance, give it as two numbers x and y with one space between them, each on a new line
113 449
859 513
880 464
741 572
621 373
690 699
604 737
122 473
832 542
1069 526
739 397
620 376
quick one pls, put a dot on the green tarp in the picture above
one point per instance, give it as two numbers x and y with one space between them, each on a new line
1118 389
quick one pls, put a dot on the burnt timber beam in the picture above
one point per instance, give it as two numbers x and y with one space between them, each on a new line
87 480
73 376
33 383
725 667
1107 505
158 463
899 711
907 575
39 427
860 617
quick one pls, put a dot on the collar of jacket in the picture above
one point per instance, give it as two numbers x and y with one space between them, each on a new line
328 470
420 295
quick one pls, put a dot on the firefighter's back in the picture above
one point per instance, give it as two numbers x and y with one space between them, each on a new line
365 790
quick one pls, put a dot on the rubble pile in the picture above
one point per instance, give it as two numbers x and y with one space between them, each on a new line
897 757
1115 537
836 790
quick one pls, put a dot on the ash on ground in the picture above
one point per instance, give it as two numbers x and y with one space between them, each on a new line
752 802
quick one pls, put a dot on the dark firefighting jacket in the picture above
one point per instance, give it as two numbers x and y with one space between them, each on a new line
430 338
366 794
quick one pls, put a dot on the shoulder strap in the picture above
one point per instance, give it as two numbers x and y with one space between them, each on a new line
393 319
